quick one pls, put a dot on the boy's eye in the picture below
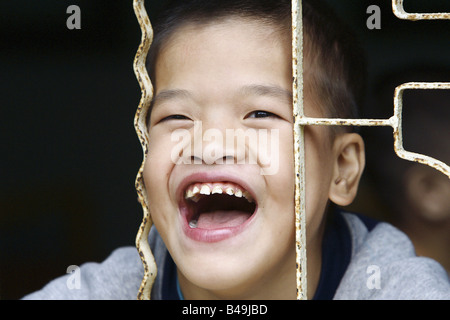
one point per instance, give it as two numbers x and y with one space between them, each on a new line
261 114
175 117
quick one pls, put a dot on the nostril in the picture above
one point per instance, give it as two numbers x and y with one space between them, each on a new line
223 160
228 159
196 160
209 160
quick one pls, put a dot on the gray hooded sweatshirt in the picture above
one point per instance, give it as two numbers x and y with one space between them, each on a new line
382 264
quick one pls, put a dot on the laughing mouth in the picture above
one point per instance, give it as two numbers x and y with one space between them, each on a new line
217 205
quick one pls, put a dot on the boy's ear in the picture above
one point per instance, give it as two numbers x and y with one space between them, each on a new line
349 162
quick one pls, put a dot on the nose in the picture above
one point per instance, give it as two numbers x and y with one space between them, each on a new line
209 144
212 144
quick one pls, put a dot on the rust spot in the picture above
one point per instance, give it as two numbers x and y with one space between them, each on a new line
399 11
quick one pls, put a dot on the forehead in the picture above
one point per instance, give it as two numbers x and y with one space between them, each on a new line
230 48
221 26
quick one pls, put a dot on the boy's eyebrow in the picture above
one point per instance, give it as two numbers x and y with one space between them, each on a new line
171 94
267 90
248 90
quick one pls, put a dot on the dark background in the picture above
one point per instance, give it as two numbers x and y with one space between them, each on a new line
69 153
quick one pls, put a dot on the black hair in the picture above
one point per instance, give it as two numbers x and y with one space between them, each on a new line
336 70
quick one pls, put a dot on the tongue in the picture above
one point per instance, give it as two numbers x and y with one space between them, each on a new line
222 219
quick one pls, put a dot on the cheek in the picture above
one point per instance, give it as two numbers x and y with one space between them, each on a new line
152 180
154 169
280 182
275 153
161 208
286 154
159 161
157 168
281 186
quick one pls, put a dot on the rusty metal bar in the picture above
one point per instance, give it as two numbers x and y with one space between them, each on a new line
395 122
306 121
299 149
398 134
399 11
142 245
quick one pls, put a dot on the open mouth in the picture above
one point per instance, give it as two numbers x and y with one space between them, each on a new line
217 205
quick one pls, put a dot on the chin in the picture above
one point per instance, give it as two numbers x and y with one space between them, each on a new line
219 277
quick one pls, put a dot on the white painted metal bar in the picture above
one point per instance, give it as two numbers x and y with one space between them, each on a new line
142 245
399 11
299 149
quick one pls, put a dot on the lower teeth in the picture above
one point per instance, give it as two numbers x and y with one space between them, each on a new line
193 224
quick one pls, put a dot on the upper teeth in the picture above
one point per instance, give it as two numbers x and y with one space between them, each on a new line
194 191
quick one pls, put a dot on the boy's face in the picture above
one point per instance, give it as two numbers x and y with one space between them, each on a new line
232 75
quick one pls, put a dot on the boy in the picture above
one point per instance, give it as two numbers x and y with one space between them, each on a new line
224 223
